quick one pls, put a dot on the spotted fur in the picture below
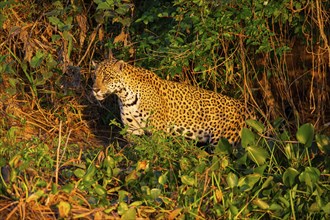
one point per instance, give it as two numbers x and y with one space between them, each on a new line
146 100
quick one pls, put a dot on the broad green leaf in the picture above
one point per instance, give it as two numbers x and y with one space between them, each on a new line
326 208
37 59
248 137
185 164
268 181
91 171
105 5
55 21
146 190
187 180
256 125
305 134
155 193
242 160
109 162
35 196
162 179
233 209
201 167
99 189
215 165
232 180
310 176
134 175
223 147
136 204
122 195
79 173
261 203
314 207
68 188
289 176
64 209
323 143
247 182
257 154
260 170
12 89
285 201
122 208
275 207
130 214
108 172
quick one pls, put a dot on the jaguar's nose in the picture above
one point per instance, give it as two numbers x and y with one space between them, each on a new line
96 90
98 94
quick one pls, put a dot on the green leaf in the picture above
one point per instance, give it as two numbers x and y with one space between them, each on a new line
162 179
233 209
35 196
248 138
326 208
310 176
55 21
248 182
242 160
2 20
289 176
79 173
323 143
275 207
232 180
223 147
68 188
109 162
91 171
6 3
122 195
99 190
64 209
134 175
187 180
185 164
155 193
130 214
261 203
268 181
305 134
122 208
37 59
257 154
314 207
105 5
256 125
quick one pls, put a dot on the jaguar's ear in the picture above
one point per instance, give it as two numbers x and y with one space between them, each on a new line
119 65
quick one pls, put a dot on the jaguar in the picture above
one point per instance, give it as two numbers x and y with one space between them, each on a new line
148 102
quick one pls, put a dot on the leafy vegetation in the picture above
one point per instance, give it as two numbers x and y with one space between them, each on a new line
59 157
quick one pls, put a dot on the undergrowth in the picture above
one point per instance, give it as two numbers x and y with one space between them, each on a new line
161 177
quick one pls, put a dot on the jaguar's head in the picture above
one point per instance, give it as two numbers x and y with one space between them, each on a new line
108 78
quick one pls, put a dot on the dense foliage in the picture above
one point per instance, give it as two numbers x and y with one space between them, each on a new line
53 158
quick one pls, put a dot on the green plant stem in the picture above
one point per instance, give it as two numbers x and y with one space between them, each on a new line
309 159
33 88
292 205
